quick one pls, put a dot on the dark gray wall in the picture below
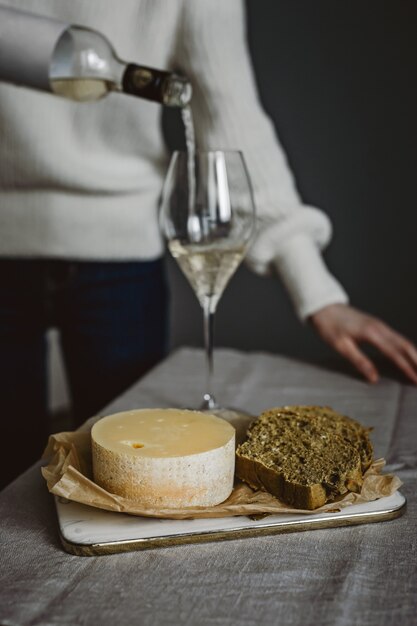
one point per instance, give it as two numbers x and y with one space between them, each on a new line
339 81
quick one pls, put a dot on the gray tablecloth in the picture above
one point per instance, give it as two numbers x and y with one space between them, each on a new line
355 575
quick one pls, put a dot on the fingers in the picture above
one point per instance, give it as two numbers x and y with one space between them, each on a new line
398 349
343 327
349 349
404 345
411 352
402 362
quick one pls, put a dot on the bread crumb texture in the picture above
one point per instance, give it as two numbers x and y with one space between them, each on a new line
304 455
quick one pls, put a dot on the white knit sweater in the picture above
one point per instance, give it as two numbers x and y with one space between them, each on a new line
82 181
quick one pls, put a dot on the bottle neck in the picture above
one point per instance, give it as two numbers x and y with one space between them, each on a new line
164 87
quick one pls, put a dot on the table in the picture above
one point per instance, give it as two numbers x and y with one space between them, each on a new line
363 575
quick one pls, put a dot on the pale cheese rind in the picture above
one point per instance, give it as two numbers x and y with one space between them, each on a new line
182 459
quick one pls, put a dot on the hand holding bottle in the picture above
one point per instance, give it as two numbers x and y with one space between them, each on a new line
77 62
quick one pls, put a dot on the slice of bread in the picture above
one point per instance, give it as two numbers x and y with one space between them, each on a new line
306 456
346 427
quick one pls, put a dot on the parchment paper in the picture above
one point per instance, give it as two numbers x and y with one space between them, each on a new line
69 475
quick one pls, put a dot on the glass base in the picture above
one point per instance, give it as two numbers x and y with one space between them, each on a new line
209 403
239 419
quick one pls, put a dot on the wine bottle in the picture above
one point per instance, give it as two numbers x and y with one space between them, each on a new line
77 62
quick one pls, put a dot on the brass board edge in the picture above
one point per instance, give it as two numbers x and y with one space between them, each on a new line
114 547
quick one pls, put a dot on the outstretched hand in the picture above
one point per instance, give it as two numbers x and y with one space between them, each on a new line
344 328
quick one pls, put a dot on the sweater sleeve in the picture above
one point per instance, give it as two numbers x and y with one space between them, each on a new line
212 52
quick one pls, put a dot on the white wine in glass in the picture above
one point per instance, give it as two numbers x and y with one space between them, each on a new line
208 217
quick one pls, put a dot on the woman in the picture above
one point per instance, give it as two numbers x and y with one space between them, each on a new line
79 238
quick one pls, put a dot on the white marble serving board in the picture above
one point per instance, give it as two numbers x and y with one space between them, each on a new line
82 525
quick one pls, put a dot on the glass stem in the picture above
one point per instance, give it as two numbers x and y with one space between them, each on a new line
209 401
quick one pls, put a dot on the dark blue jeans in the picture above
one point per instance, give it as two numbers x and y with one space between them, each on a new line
112 319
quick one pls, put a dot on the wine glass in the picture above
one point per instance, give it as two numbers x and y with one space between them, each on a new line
208 216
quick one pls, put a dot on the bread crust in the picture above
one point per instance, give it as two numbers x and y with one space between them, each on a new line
259 476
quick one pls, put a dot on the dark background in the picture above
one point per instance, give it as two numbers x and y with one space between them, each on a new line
339 81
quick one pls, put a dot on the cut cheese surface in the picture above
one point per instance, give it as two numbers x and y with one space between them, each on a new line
161 432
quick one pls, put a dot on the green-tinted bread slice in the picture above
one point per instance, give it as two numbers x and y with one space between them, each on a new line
346 427
304 460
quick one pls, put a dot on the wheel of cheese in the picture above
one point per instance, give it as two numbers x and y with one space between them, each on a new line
165 458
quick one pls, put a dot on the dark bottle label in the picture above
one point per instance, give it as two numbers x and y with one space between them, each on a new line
156 85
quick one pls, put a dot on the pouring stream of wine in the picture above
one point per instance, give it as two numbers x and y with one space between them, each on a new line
193 223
